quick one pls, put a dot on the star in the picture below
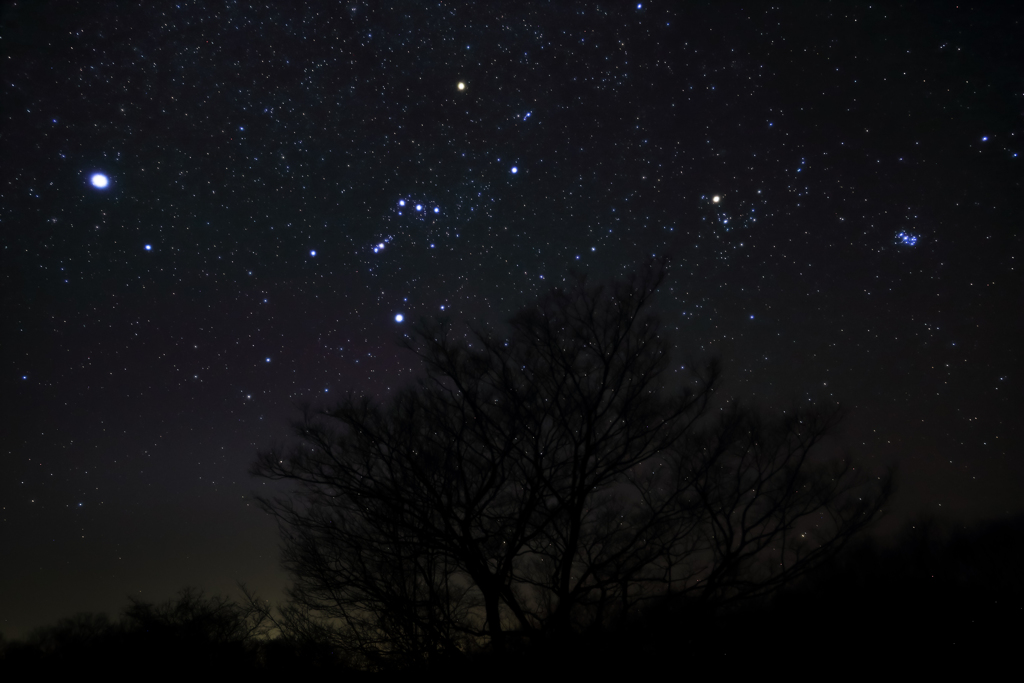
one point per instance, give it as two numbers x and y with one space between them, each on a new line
461 86
99 180
399 317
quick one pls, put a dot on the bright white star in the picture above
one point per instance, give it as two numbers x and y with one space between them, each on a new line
99 180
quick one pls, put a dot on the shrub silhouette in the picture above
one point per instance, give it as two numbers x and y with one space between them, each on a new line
192 633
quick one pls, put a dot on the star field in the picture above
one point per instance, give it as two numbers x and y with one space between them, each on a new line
212 212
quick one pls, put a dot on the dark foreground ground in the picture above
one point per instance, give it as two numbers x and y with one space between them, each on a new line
938 599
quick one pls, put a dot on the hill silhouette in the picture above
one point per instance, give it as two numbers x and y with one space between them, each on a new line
936 595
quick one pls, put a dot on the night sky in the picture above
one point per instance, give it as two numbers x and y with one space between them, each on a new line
838 185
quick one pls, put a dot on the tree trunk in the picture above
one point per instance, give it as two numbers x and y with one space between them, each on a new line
492 604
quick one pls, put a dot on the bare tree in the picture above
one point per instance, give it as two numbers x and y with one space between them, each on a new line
361 536
545 477
762 503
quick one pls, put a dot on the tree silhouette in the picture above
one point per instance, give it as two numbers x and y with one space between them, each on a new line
549 477
191 632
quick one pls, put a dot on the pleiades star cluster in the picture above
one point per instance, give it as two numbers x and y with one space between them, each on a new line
214 212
